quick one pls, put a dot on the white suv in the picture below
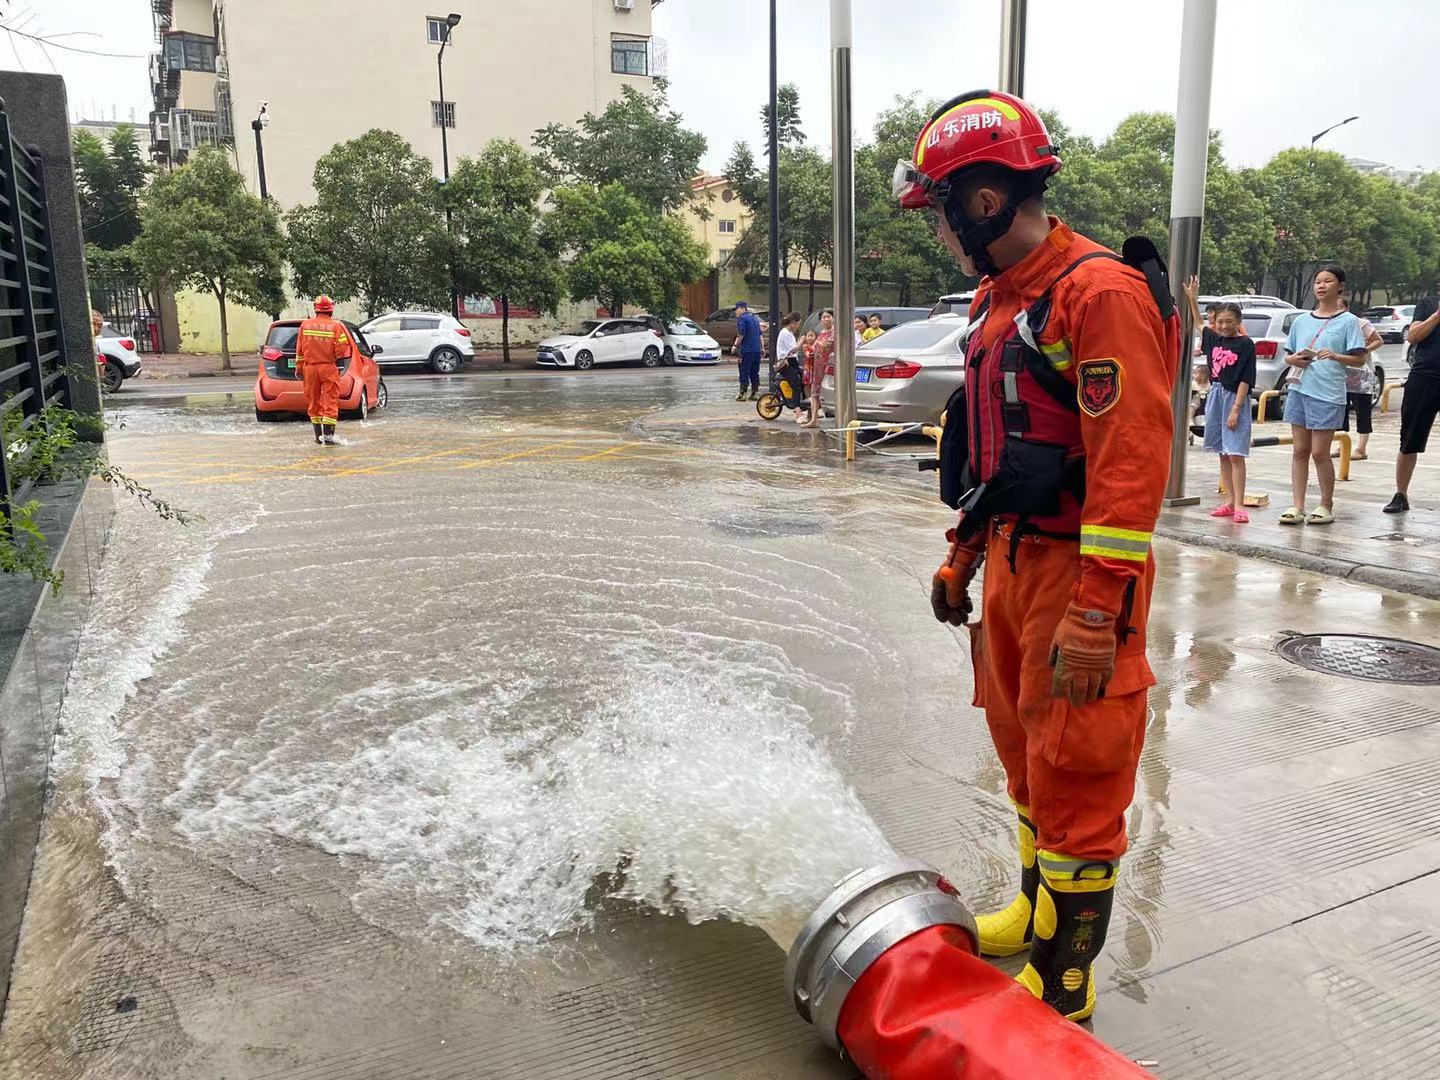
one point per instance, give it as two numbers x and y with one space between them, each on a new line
604 341
420 337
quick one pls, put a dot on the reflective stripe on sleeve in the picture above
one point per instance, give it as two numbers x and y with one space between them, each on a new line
1109 543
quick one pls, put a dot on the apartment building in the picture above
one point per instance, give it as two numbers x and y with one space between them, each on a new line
333 69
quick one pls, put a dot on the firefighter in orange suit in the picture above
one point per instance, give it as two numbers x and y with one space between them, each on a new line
1058 465
322 342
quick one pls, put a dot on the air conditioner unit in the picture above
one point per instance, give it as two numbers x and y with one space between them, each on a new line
624 5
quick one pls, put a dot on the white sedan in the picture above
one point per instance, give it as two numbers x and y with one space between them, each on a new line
906 375
604 341
687 343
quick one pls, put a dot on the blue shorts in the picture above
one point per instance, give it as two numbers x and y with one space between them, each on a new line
1219 439
1312 414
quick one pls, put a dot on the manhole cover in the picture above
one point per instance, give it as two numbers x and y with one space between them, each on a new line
1357 656
770 523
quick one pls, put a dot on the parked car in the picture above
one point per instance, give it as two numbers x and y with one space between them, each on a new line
954 304
1270 329
721 325
604 341
116 358
687 343
906 375
1252 300
421 337
278 391
1391 323
890 317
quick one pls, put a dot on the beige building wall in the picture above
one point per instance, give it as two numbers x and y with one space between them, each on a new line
332 72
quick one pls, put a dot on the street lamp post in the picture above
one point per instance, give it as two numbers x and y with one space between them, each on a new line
774 150
451 21
259 124
1316 138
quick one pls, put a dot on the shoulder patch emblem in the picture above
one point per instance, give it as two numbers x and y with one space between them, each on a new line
1098 385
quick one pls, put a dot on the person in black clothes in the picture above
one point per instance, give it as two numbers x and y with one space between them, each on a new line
1230 360
1421 402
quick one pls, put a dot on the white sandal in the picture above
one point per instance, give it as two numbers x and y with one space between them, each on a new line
1320 516
1293 516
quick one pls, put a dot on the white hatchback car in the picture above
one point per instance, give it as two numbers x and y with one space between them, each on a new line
604 341
687 343
420 337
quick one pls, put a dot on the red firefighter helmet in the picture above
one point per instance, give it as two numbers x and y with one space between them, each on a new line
324 305
983 126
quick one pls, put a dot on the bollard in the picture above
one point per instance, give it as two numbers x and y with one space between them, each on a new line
1265 396
1385 394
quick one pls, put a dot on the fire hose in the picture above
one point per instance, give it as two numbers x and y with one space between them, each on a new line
887 971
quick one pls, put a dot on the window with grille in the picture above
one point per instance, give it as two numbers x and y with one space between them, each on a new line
629 56
442 114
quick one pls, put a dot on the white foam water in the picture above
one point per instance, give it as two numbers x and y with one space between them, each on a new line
506 817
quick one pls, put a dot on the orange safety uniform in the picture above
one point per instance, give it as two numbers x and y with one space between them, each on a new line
1073 766
322 342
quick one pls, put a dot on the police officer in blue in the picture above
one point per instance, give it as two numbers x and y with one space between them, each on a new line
749 348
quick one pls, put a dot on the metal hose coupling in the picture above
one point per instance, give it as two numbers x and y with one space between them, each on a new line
868 912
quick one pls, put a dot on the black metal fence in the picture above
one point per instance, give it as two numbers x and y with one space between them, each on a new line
33 373
127 306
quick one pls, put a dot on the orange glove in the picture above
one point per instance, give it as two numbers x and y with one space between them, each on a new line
1082 654
950 587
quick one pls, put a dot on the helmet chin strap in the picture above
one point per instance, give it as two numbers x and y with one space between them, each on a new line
977 236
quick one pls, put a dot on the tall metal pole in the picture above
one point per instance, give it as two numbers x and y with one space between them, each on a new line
1012 46
775 315
1187 209
260 156
445 166
843 197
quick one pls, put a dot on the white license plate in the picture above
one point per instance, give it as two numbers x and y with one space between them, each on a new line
862 375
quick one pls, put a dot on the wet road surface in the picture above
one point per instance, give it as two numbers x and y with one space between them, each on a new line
470 749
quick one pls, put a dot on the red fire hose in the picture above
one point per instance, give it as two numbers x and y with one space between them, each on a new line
886 969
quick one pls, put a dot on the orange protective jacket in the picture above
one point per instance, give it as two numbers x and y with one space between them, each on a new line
322 340
1105 336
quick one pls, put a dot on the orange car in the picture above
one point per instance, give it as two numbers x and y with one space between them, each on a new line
278 390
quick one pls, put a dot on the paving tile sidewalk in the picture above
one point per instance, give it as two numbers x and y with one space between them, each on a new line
1395 551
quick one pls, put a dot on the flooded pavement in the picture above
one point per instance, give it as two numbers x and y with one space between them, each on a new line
484 745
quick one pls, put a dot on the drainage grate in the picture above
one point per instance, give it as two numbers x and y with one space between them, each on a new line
1357 656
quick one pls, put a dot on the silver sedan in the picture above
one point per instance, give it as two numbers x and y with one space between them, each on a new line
906 375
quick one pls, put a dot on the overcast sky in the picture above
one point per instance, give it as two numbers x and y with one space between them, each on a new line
1284 69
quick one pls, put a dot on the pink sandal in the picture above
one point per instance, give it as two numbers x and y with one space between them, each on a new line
1225 510
1242 518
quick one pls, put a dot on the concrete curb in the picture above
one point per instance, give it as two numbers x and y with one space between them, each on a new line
1406 581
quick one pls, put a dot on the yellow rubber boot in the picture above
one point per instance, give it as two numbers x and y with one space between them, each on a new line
1007 932
1072 913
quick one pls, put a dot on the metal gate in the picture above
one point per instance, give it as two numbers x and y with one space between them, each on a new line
33 374
127 306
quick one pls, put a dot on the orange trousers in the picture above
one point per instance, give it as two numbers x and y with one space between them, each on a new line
322 392
1073 766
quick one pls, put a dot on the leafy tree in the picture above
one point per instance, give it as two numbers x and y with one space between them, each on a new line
620 250
204 231
638 141
1316 201
373 233
499 248
109 179
788 105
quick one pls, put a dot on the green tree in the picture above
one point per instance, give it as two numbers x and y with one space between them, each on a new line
806 214
620 251
638 141
204 231
499 247
374 233
1316 201
109 178
787 100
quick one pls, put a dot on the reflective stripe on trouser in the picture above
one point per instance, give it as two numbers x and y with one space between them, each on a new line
1073 766
322 392
1072 914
